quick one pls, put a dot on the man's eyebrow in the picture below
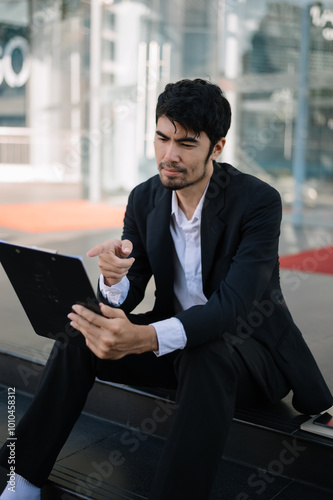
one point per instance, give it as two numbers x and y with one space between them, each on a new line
185 138
158 132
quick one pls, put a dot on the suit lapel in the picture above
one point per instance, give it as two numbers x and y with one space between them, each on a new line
212 225
159 241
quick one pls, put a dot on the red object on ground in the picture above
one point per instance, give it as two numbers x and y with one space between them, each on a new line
317 260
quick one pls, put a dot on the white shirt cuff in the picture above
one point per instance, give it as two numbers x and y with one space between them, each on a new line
115 294
171 335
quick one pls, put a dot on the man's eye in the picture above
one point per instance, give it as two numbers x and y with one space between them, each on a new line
188 146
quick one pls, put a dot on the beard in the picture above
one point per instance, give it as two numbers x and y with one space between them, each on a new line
176 184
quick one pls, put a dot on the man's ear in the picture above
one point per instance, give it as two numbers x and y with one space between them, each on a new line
218 148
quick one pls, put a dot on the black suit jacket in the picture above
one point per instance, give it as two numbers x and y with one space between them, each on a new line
240 229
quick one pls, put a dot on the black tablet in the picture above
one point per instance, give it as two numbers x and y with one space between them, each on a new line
47 285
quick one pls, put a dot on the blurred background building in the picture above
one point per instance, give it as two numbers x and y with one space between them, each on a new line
79 82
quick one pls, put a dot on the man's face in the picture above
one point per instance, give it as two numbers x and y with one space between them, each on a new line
181 156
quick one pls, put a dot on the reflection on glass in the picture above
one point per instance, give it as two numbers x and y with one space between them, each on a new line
78 92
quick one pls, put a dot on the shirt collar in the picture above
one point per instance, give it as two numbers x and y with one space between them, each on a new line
179 215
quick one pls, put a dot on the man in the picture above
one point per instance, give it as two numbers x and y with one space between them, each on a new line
219 332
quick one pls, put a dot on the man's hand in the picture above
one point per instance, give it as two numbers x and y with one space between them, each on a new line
113 259
112 336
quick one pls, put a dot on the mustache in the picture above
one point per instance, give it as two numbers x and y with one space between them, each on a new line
172 165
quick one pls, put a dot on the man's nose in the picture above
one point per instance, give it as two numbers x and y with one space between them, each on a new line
172 154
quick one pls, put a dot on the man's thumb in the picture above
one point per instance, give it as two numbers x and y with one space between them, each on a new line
126 247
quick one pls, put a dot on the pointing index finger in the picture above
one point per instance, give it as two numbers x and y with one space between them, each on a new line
94 252
107 246
121 248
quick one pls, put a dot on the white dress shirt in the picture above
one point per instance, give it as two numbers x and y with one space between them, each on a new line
188 291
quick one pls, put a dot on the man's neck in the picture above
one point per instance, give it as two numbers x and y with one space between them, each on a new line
189 197
188 200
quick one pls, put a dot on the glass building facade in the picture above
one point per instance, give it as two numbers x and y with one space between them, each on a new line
79 82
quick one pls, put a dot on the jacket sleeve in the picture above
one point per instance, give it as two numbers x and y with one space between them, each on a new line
249 274
140 272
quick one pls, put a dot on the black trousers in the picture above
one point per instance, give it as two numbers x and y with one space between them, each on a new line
210 380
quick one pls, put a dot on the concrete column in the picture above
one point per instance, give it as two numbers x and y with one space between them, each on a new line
94 183
128 36
231 71
299 159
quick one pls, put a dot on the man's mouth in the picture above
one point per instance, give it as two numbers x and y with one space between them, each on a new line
171 171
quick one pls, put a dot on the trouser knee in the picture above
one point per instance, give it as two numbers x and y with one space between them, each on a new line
69 365
209 359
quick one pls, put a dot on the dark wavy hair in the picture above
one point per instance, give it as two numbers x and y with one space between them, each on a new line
198 105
